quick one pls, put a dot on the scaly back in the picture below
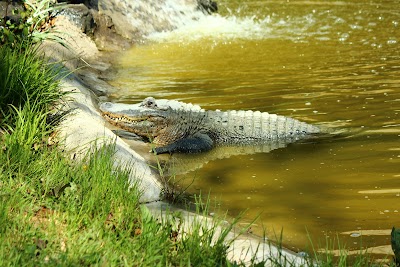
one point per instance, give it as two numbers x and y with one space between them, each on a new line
254 126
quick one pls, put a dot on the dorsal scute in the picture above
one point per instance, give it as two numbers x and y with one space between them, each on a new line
164 104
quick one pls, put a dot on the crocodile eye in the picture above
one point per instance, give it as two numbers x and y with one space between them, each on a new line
149 103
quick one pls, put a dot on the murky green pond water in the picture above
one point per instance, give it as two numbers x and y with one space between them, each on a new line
335 63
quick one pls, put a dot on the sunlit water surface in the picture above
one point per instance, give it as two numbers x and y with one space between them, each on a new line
334 63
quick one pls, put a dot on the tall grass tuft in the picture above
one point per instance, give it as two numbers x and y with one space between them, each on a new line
24 76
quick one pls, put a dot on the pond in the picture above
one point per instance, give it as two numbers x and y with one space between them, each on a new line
330 63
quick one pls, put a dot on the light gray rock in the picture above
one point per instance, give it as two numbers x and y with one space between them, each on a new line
132 19
81 16
85 127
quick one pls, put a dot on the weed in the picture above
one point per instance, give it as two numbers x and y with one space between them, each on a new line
28 21
23 75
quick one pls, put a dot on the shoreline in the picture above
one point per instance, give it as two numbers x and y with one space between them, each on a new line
85 126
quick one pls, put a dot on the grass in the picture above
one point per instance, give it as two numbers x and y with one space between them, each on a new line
25 76
326 257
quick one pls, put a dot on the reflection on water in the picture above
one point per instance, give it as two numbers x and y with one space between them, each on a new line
330 63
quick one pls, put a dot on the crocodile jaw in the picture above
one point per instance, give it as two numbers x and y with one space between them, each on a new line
134 118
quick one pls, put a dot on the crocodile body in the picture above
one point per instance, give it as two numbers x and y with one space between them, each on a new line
175 126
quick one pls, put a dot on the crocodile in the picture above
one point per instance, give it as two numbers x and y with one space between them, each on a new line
174 126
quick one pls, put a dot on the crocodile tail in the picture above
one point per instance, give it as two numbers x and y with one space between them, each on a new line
259 126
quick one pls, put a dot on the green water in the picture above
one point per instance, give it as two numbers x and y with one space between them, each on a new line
333 63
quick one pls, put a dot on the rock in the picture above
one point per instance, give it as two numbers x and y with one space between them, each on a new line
99 27
91 80
6 11
106 36
80 16
116 24
207 6
133 19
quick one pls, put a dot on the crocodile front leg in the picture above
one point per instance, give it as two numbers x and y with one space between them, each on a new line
199 142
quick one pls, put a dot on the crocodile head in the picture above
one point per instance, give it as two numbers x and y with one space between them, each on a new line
142 120
151 118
